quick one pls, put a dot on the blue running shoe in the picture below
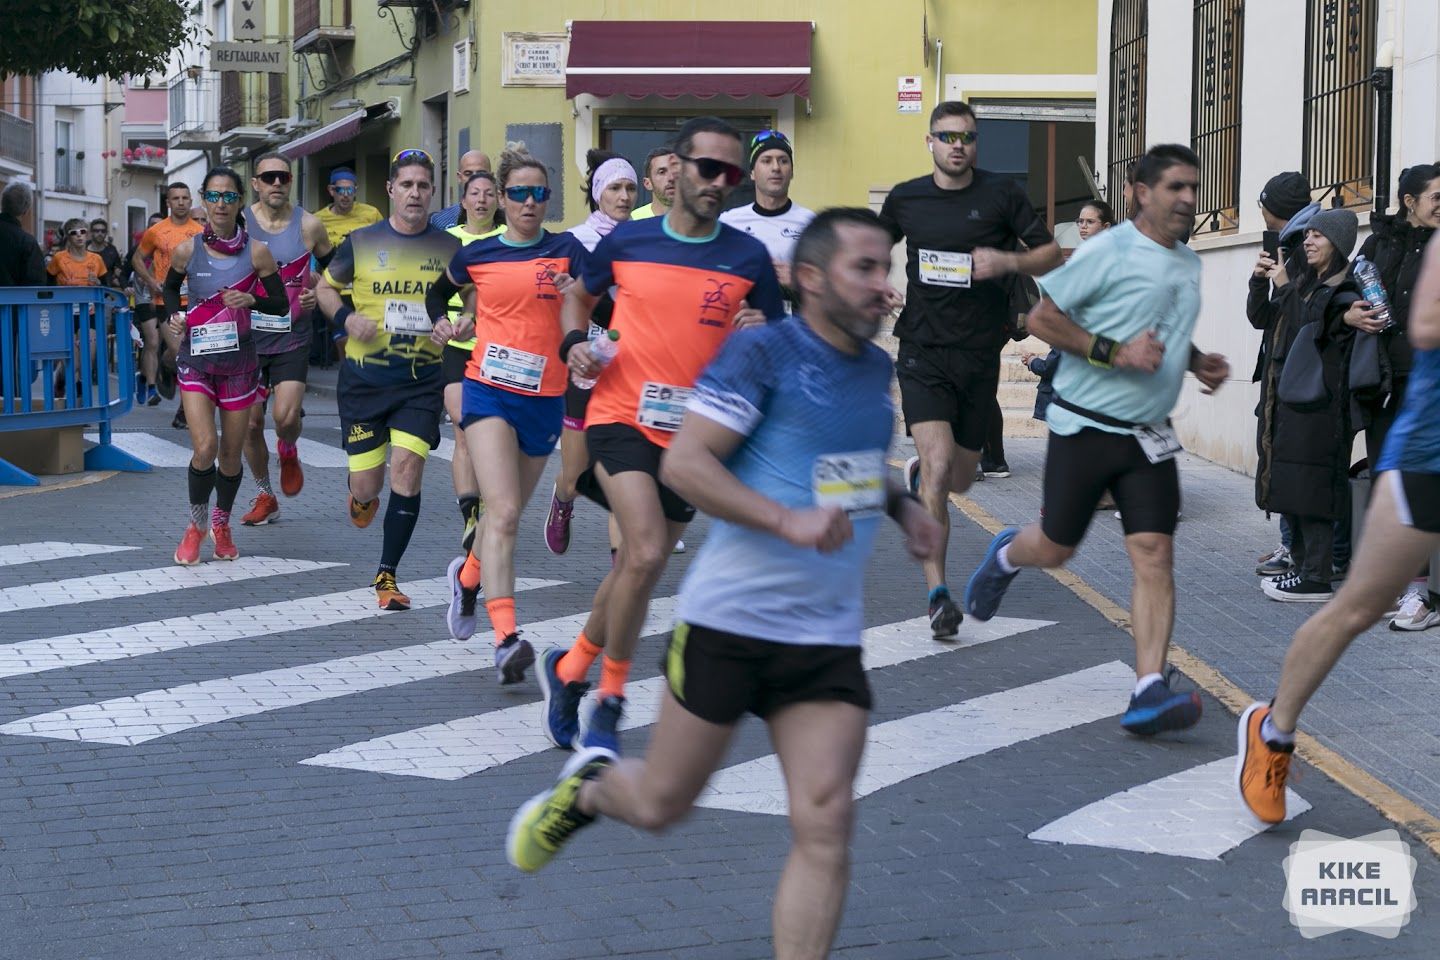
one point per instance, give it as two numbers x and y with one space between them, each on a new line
560 701
511 659
599 725
1159 708
988 583
460 617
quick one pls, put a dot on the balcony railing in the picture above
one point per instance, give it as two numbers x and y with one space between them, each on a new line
17 138
251 99
323 20
192 104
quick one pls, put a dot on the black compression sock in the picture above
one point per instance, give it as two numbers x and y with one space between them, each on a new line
401 515
469 507
225 490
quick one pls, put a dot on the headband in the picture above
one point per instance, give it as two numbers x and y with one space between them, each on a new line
616 168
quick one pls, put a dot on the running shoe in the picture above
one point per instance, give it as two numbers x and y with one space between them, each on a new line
460 618
152 397
362 513
140 392
679 547
1291 589
945 616
179 422
188 553
512 658
292 477
224 544
1415 613
995 471
1275 564
987 585
547 820
557 524
387 593
167 382
263 509
599 725
1261 767
1159 708
560 701
912 475
467 536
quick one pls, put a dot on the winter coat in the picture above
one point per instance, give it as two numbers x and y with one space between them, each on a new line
1305 451
1396 248
1292 235
1044 368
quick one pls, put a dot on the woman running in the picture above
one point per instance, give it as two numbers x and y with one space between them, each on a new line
513 391
228 276
478 220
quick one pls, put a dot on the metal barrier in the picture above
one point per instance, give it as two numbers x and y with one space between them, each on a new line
44 327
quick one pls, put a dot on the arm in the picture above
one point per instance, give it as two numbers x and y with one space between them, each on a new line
141 267
437 307
1424 320
1210 369
1047 322
273 298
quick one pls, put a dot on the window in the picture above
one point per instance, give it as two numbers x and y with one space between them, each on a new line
634 135
1037 144
1339 104
67 168
1128 32
1215 112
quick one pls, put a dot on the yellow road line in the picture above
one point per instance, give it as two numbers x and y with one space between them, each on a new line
81 481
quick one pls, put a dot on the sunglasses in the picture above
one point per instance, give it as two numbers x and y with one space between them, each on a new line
764 135
709 168
412 156
274 177
344 191
521 194
79 233
216 196
955 136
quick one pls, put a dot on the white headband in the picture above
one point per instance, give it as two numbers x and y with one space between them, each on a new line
616 168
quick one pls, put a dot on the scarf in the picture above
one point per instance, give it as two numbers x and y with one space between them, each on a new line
616 168
229 247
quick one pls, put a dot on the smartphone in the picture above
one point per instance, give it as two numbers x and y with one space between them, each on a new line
1270 241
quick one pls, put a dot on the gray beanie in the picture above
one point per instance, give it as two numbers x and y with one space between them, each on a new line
1337 226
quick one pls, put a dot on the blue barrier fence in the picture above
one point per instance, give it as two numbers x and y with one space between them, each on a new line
84 331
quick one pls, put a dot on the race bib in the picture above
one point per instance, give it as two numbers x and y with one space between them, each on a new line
269 322
662 406
222 336
941 268
406 317
854 482
1158 441
509 367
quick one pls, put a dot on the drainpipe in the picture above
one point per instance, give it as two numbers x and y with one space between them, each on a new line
939 54
1383 80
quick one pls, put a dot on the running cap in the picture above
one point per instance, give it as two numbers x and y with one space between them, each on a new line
341 173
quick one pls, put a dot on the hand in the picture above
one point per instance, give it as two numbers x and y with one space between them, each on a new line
361 327
563 282
236 300
1144 353
987 264
1362 317
1025 358
463 327
894 299
923 534
442 332
748 316
307 298
1264 265
782 272
827 529
1211 370
177 324
581 364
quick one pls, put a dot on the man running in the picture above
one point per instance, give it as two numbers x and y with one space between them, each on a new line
784 444
345 214
157 248
773 219
682 284
281 341
1402 529
661 169
1121 312
391 392
964 229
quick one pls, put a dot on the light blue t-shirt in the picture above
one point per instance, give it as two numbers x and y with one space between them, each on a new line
1119 285
817 423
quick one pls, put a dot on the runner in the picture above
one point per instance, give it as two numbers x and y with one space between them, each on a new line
148 384
478 220
674 306
962 228
773 219
661 170
471 163
784 444
514 390
345 214
1402 529
610 191
282 341
157 246
228 276
391 391
1127 303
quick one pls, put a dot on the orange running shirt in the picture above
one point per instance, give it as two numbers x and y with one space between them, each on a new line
158 245
675 303
69 272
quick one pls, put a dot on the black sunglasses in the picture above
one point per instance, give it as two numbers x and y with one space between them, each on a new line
274 177
710 168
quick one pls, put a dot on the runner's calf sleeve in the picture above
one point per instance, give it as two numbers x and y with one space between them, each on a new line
202 484
401 515
225 490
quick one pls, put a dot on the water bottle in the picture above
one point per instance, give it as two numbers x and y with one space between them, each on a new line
1373 290
602 351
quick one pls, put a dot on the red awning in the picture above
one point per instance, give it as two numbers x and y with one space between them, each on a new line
329 135
700 58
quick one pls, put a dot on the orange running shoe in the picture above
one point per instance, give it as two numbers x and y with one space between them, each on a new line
387 593
188 553
362 513
224 544
263 509
292 478
1261 767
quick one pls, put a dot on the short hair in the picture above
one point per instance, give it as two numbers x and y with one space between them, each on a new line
664 150
820 240
177 185
156 216
15 200
952 108
1106 212
69 225
514 158
271 155
102 221
1162 157
412 158
685 139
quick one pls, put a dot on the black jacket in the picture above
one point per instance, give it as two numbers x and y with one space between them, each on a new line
1305 452
21 264
1396 248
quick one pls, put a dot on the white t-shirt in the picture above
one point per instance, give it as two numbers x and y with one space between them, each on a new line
777 229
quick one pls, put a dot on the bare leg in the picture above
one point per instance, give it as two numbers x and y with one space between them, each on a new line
462 474
649 538
234 427
506 479
574 458
200 421
256 454
944 469
1152 601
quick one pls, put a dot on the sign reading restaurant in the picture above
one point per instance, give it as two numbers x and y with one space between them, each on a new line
249 57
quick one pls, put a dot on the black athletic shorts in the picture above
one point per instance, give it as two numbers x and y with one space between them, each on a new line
1417 498
719 677
279 367
576 400
452 364
371 414
951 385
142 314
1080 468
620 448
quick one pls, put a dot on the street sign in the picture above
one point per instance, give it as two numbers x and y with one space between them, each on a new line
249 20
249 57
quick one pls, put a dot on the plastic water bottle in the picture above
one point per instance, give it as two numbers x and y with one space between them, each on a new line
1373 290
602 351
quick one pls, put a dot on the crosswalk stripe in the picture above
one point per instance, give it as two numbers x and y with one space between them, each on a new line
16 553
1195 813
139 583
259 620
150 448
900 749
469 745
159 713
313 453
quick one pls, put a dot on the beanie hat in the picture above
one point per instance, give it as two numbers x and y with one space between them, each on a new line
769 140
1337 226
1286 194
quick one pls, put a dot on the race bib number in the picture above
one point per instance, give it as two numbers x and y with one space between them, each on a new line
269 322
662 406
222 336
1158 441
941 268
509 367
854 482
406 317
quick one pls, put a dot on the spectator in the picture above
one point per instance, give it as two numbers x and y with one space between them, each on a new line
1094 217
1044 368
100 244
21 263
74 265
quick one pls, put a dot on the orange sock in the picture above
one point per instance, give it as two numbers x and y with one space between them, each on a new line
470 573
573 667
502 617
613 674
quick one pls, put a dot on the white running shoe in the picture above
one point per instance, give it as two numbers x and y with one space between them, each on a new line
1415 612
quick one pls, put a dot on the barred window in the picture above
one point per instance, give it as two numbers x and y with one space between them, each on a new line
1339 103
1129 24
1215 112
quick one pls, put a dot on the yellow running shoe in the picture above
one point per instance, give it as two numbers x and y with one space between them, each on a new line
362 513
1261 767
547 820
387 593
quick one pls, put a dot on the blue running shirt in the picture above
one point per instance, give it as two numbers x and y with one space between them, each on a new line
1413 443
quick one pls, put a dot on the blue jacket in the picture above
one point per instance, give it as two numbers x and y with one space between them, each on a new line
1044 367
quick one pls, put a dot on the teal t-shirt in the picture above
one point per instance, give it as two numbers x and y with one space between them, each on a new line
1119 285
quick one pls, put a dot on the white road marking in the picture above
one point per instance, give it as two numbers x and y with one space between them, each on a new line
150 448
16 553
313 453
